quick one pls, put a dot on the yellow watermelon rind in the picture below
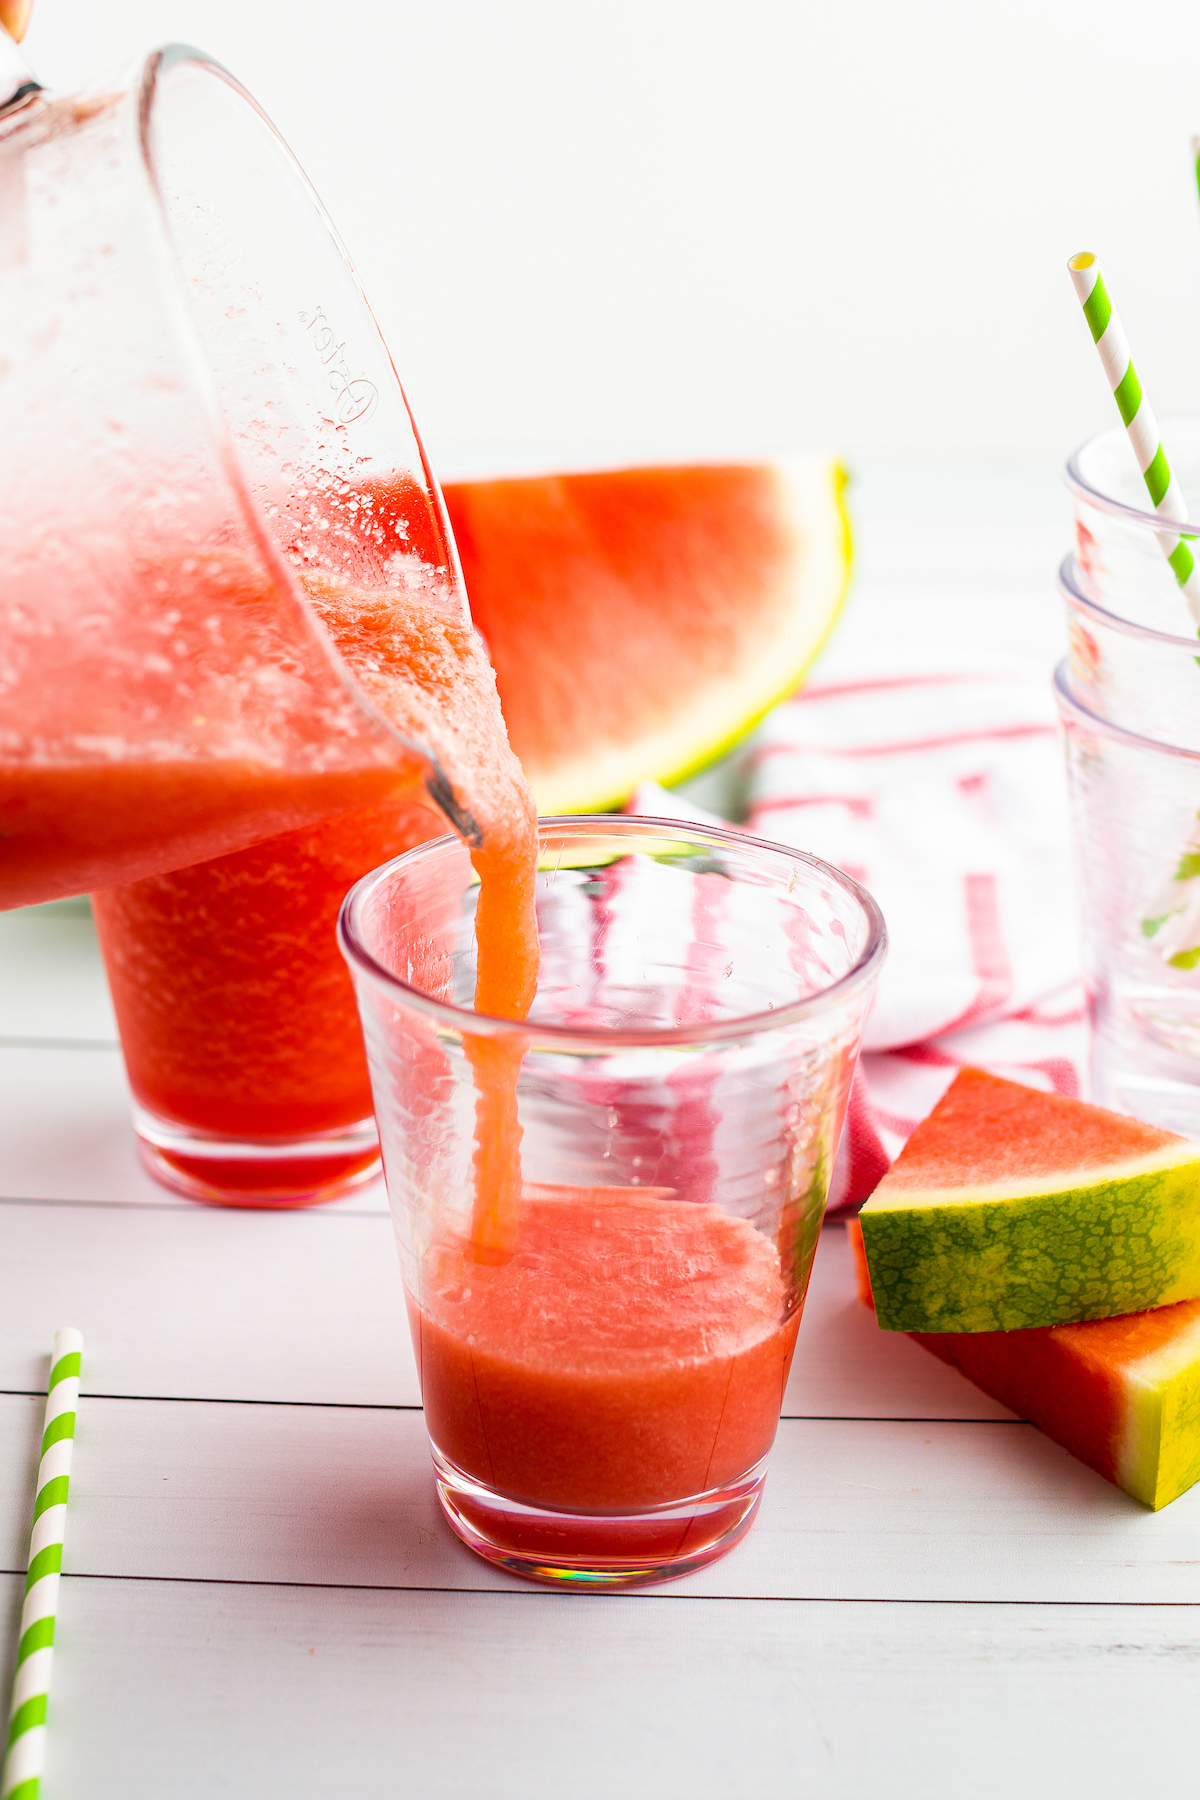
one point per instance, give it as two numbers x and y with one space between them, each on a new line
1158 1457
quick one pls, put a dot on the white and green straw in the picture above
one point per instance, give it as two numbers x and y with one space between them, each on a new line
1139 421
26 1753
1173 917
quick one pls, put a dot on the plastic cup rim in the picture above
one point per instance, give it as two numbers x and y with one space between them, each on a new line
1077 483
1070 702
1075 597
466 1023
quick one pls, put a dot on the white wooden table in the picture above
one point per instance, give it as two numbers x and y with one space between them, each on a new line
262 1598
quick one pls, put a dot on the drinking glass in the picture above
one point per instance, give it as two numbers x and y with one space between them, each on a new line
1129 700
237 1018
603 1342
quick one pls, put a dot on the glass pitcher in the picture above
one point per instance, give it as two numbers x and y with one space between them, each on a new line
199 425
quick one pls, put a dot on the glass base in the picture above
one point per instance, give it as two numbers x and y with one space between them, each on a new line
230 1171
592 1551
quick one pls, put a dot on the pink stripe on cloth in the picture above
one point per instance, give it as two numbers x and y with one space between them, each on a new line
861 808
946 741
863 1159
944 795
877 684
989 954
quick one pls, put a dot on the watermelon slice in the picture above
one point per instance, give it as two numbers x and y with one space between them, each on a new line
1123 1395
1011 1208
641 621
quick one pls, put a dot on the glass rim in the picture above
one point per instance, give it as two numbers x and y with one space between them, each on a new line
466 1023
1074 596
1070 702
1078 484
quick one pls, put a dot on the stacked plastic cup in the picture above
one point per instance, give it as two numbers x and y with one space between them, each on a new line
1129 699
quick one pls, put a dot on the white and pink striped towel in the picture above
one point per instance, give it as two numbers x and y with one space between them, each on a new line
945 796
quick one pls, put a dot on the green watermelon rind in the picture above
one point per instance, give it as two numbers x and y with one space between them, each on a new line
1073 1253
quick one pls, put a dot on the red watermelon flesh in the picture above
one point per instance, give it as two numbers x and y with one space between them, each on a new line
1123 1394
640 620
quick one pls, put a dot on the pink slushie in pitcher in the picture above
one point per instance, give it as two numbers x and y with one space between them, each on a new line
207 470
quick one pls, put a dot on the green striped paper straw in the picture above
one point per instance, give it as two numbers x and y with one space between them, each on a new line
1138 419
26 1754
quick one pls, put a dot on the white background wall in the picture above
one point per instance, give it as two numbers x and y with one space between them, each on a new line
640 228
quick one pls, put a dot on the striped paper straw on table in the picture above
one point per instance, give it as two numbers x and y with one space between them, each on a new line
26 1753
1172 919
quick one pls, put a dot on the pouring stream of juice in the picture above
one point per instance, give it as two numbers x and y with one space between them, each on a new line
429 675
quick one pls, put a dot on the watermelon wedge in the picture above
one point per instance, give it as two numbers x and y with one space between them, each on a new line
1123 1395
642 620
1010 1208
